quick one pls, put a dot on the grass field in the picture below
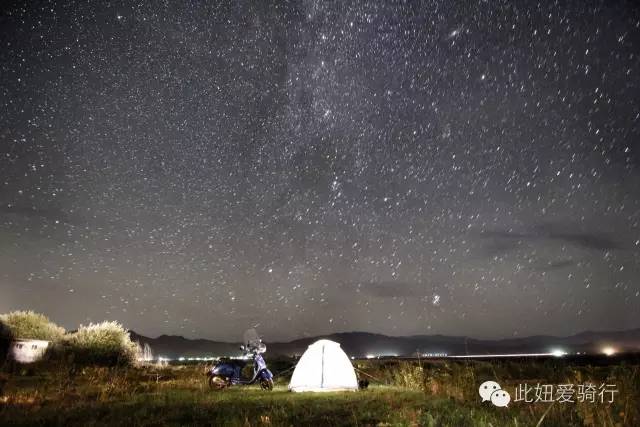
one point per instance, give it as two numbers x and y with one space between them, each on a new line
402 393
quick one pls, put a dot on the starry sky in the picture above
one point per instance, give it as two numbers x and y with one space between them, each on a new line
307 167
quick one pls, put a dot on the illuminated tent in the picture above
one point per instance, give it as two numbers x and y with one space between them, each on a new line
324 367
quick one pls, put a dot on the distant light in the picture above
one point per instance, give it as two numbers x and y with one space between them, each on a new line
488 356
558 353
371 356
609 351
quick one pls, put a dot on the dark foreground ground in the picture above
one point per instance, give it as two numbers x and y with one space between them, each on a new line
403 393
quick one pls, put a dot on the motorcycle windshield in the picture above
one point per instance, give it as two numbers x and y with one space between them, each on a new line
251 338
252 341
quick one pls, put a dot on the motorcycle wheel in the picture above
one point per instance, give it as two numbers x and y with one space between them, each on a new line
267 384
217 383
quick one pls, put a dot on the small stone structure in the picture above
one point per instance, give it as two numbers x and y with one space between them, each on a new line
27 351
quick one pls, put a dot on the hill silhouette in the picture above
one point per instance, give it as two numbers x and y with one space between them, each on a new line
361 344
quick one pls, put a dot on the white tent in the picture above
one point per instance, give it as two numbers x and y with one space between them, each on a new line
324 367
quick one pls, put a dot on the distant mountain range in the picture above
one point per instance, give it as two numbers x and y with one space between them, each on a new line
362 344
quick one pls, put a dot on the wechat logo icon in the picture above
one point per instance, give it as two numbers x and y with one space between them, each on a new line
491 391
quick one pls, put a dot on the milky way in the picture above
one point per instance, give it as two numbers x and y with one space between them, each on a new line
466 168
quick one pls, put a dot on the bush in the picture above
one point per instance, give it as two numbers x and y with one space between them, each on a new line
30 325
106 343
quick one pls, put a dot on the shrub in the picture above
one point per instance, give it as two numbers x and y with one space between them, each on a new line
31 325
106 343
409 375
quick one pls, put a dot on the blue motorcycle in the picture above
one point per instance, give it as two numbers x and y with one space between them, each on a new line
229 372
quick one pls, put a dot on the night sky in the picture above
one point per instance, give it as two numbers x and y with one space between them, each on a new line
306 167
